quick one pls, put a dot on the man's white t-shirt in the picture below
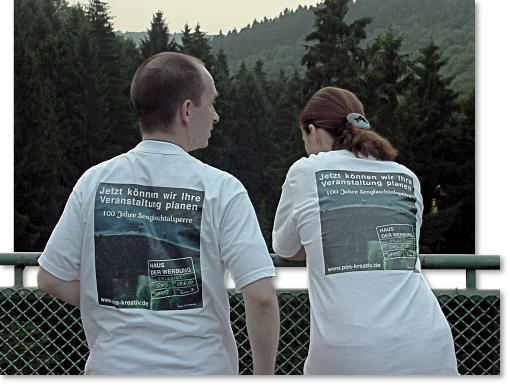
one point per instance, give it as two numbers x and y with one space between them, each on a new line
372 311
149 235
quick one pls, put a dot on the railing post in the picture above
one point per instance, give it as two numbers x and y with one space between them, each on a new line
470 279
18 275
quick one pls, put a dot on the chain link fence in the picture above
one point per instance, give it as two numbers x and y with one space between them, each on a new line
42 335
475 324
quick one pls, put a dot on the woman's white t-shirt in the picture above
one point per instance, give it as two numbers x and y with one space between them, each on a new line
372 311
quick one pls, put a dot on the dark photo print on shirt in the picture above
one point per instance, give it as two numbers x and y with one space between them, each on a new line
368 220
147 246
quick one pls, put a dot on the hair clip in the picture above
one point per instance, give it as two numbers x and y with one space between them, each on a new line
358 120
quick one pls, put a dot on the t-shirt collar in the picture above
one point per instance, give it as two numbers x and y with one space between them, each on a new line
159 147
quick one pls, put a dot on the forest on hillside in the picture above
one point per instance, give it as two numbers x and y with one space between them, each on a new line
72 110
450 23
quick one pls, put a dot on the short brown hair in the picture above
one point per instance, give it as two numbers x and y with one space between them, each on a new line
328 109
160 84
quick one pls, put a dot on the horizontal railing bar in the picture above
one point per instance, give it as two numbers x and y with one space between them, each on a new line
278 262
472 293
437 292
460 261
428 261
20 258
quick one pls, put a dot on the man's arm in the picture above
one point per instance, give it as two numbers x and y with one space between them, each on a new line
299 256
67 291
263 323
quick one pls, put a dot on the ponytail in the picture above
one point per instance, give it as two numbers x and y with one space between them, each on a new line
364 141
340 112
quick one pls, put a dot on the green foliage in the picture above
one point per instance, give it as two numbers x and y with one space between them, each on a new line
196 44
425 119
221 146
37 155
450 23
334 56
435 137
435 227
286 36
72 108
158 38
385 81
459 184
252 145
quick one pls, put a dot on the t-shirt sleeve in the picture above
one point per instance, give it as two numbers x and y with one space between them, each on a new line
419 214
242 247
62 254
419 201
286 241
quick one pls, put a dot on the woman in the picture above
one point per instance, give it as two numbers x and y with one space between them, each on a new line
355 215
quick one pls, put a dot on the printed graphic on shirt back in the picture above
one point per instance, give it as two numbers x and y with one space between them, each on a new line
147 246
368 220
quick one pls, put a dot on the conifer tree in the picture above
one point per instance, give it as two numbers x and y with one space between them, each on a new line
158 37
291 102
333 55
108 85
284 135
74 64
385 82
100 87
258 69
433 105
97 12
461 186
197 44
426 122
221 141
450 227
37 156
250 134
222 71
186 39
218 152
72 107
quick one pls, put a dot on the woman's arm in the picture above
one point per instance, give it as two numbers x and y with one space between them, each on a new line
67 291
299 256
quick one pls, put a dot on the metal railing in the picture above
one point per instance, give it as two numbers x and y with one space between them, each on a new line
39 334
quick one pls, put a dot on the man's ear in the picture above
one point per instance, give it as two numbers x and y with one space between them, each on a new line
184 111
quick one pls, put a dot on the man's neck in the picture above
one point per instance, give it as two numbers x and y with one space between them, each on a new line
164 137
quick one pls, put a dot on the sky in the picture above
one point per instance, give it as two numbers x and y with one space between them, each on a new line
213 15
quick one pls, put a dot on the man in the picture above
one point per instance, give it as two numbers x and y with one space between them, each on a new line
145 238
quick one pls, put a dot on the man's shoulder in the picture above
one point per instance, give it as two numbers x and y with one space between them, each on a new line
217 176
104 165
95 172
205 174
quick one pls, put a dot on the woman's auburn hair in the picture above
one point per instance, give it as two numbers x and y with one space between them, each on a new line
328 109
